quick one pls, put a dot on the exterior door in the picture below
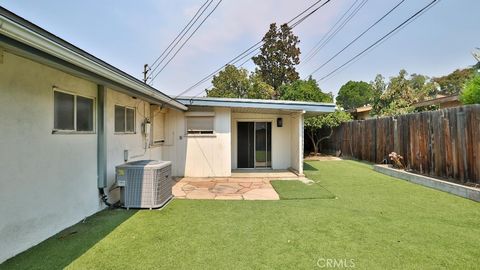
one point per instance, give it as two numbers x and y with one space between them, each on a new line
254 144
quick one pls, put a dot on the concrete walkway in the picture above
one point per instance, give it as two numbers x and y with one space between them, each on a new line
224 189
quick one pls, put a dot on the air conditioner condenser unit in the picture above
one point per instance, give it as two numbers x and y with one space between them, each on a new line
144 183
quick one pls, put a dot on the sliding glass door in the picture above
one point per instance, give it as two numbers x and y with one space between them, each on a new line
254 145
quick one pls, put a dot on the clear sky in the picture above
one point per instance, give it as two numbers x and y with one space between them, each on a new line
128 34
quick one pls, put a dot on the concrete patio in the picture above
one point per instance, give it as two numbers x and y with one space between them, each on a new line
232 188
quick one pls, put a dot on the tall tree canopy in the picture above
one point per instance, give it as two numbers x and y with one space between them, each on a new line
401 92
423 87
233 82
354 94
304 90
398 96
278 57
454 82
378 87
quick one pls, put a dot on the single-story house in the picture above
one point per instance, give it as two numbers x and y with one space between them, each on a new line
441 101
68 118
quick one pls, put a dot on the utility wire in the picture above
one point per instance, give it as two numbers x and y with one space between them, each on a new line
182 34
340 27
329 38
245 53
357 38
257 45
205 90
185 42
310 52
309 14
306 10
233 61
385 37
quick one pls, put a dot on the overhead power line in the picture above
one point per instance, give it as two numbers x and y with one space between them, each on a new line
385 37
344 19
357 38
180 35
310 11
204 90
185 42
357 9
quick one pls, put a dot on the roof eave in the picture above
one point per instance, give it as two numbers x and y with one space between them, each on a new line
16 31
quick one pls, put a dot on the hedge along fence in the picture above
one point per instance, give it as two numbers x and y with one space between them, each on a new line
443 143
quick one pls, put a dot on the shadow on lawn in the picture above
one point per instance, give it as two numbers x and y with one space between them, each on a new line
60 250
308 167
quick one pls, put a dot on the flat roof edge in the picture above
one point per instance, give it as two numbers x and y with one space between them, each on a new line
260 104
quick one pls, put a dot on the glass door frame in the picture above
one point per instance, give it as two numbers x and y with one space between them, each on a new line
255 143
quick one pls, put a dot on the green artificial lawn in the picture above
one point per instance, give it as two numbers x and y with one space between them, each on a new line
296 190
376 222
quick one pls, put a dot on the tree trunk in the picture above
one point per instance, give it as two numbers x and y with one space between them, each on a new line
312 138
317 146
315 141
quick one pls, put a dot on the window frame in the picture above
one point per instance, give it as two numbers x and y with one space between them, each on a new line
125 120
188 134
74 130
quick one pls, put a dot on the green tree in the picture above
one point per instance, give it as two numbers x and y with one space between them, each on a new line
278 57
314 125
308 90
422 86
378 88
398 96
233 82
258 88
454 82
354 94
471 93
304 90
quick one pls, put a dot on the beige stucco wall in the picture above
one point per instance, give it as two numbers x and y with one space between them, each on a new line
198 155
296 143
48 181
118 142
281 137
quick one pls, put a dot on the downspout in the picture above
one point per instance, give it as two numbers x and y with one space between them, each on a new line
101 145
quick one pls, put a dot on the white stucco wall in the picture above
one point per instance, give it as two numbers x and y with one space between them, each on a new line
48 181
296 143
198 155
281 137
118 142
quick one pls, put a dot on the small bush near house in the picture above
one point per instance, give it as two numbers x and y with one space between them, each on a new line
471 92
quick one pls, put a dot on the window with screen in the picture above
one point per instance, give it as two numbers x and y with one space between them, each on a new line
124 119
73 112
200 124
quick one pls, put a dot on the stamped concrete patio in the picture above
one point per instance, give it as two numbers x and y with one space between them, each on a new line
225 189
242 185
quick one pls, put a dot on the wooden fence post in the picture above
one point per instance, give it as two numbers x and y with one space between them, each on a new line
396 143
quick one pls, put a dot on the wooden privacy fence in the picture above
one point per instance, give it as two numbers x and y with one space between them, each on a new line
443 143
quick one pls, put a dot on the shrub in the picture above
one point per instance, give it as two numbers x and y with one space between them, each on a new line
471 91
396 160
